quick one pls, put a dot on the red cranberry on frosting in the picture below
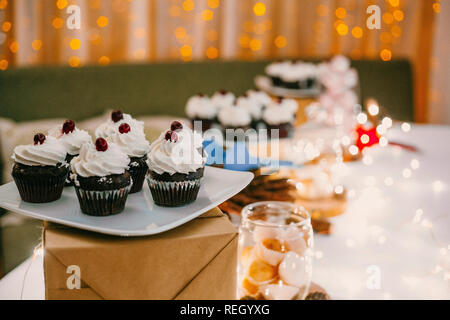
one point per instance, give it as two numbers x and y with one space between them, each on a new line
116 115
176 125
39 138
124 128
171 136
279 99
223 91
101 145
68 126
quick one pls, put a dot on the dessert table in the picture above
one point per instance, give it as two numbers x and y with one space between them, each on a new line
393 242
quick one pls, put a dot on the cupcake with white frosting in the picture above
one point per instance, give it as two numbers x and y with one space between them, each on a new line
71 138
201 108
101 178
110 126
222 98
176 163
234 117
40 169
293 75
134 144
280 115
254 102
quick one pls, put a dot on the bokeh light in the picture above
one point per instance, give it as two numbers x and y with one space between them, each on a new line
102 21
386 55
357 32
259 9
280 42
36 45
75 44
212 53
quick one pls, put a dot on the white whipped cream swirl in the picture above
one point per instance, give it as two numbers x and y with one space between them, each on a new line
93 163
133 143
222 99
72 141
200 107
234 116
183 156
110 127
50 153
278 113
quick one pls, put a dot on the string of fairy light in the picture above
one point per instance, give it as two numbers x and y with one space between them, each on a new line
256 34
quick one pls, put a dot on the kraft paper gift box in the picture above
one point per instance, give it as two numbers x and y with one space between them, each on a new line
194 261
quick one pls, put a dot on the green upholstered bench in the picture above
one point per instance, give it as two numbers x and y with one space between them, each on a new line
163 88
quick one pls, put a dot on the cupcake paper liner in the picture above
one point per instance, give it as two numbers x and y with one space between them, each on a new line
40 188
102 203
138 174
173 193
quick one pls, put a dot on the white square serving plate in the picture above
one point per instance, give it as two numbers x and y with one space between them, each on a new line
141 216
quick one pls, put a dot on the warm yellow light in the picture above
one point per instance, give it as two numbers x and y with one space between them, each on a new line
188 5
365 139
180 32
102 21
3 64
213 3
212 53
75 44
95 39
255 44
340 13
322 10
386 55
398 15
280 42
259 9
357 32
61 4
186 50
260 28
436 7
342 29
74 61
207 15
388 18
6 26
36 45
394 3
14 46
104 60
57 23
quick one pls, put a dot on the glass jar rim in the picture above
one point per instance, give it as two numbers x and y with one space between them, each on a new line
306 216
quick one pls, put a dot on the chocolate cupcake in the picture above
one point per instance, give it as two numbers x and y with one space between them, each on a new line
101 179
254 102
200 108
40 169
72 139
110 126
176 165
234 117
135 145
280 115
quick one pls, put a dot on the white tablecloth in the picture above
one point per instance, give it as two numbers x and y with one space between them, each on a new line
392 243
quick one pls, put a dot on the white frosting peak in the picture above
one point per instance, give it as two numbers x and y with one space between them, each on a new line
110 127
183 156
72 141
223 99
133 143
50 153
200 107
280 112
93 163
234 116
